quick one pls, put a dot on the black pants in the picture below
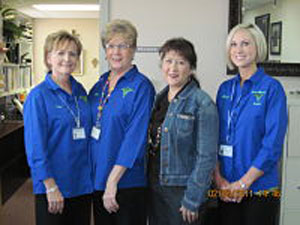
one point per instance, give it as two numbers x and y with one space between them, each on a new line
255 210
132 211
77 211
164 205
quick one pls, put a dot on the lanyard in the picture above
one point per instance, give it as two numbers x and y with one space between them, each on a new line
76 118
103 100
230 112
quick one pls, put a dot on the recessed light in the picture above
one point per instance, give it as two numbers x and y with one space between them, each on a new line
67 7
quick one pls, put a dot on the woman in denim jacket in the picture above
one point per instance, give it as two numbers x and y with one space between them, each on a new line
183 138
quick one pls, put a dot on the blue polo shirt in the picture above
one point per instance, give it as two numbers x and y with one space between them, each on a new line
50 148
253 119
124 125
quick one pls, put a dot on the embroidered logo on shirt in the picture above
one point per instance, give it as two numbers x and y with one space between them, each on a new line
83 98
225 96
126 91
258 95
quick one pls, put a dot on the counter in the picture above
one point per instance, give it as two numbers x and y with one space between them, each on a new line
8 127
13 165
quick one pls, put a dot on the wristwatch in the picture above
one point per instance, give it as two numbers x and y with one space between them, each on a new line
243 185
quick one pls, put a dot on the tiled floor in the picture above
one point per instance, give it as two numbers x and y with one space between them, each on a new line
19 209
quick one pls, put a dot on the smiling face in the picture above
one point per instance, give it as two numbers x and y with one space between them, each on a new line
243 50
63 58
119 54
176 69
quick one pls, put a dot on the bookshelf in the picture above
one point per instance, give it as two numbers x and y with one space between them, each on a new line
16 70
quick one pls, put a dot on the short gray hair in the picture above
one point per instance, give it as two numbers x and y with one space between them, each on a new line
258 37
120 27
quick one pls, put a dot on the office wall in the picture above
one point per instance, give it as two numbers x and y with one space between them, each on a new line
202 22
286 11
89 36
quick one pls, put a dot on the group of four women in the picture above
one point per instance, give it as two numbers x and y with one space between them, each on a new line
139 159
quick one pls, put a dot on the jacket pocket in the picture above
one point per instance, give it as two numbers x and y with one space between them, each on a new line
185 124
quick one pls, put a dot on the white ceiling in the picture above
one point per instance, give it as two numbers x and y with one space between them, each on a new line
25 6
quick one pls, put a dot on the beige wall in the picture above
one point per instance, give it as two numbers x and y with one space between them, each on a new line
89 36
202 22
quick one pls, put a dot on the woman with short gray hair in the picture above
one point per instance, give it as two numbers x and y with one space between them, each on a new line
121 103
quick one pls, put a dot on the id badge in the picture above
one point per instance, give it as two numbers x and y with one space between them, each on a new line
78 133
95 133
226 150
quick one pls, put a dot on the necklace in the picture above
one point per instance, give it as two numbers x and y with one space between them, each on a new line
154 142
104 99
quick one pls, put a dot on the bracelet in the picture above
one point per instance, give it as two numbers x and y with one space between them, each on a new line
243 185
52 189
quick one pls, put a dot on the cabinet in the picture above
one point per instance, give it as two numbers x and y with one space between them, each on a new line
290 199
13 165
16 71
14 79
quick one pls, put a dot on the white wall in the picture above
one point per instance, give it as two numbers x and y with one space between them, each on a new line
286 11
88 30
202 22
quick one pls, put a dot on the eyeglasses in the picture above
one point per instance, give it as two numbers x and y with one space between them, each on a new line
120 46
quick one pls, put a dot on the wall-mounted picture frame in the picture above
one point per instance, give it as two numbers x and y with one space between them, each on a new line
263 22
275 38
79 70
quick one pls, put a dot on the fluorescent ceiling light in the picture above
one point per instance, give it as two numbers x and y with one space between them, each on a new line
67 7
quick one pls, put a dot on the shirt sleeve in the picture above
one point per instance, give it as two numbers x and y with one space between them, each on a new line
35 134
207 144
135 140
275 128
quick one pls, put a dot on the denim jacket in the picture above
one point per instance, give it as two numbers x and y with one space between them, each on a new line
189 144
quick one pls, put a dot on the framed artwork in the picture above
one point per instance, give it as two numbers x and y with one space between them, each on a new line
80 65
275 38
263 22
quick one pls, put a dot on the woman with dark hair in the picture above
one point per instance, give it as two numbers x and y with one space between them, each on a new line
183 136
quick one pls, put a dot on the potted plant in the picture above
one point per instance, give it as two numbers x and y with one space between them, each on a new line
12 30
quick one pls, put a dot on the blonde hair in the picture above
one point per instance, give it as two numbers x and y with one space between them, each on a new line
120 27
258 37
56 40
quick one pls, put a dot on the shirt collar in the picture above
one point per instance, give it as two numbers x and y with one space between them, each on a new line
255 78
128 75
186 92
54 86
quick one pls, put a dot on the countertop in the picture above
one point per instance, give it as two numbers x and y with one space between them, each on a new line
8 127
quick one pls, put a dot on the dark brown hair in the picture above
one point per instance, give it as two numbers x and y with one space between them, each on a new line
184 48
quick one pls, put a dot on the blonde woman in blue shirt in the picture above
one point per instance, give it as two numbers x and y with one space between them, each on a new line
253 120
57 120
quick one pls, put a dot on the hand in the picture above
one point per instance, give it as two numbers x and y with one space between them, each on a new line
109 198
188 215
223 185
55 202
237 193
